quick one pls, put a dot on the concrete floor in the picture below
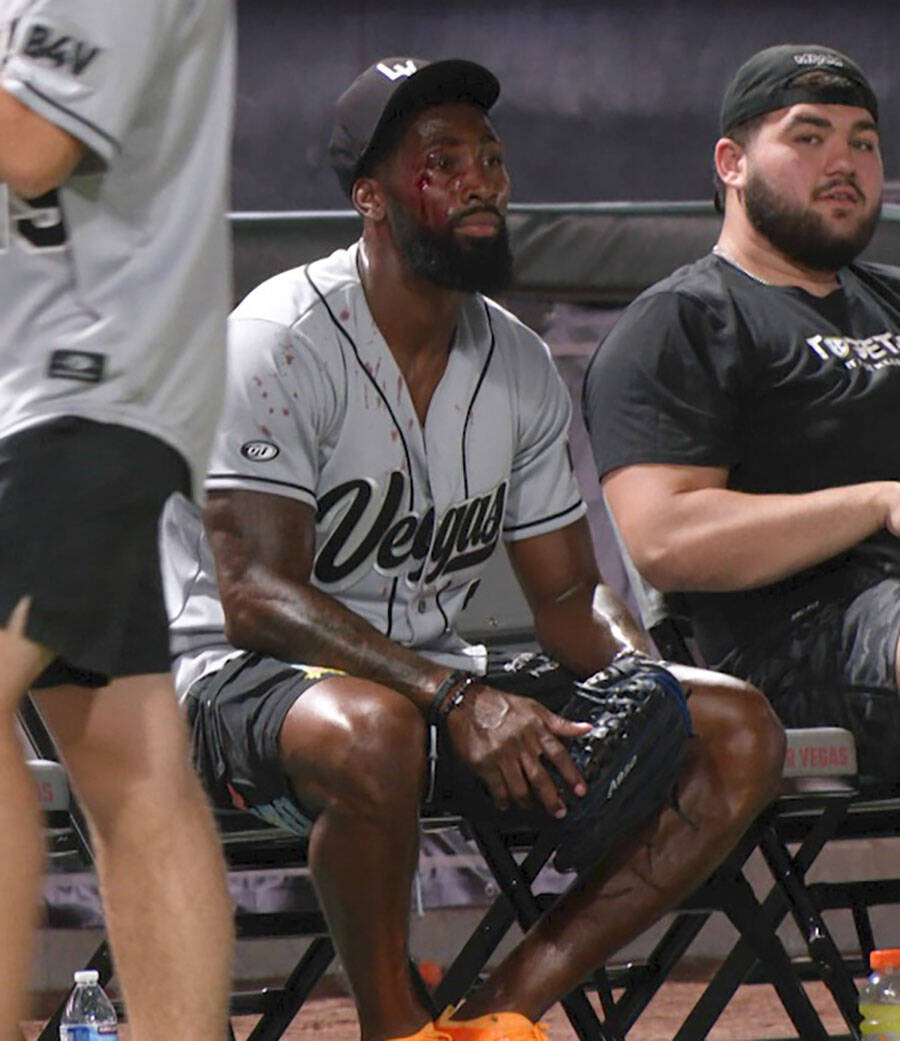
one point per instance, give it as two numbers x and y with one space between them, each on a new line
753 1015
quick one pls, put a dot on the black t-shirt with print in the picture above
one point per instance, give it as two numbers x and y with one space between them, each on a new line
789 391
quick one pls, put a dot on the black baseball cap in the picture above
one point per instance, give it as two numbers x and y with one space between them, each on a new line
393 88
765 83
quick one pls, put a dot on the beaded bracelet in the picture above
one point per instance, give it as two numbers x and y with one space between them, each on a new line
446 687
459 695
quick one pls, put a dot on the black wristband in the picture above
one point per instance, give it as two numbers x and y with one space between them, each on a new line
447 685
459 696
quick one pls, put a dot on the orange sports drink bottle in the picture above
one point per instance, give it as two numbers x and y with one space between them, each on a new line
879 1000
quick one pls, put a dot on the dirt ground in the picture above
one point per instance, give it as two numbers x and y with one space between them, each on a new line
754 1014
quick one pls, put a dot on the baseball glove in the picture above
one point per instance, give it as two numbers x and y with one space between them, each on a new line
629 760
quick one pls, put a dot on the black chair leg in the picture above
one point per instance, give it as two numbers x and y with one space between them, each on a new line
503 866
819 943
863 924
462 974
644 984
740 960
307 973
611 1026
744 912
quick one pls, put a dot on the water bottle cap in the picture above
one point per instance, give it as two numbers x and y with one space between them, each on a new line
889 959
87 976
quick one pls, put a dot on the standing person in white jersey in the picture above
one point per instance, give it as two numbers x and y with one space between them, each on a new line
115 122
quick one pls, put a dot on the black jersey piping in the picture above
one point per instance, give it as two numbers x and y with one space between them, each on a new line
374 383
543 520
440 606
481 376
261 480
74 115
390 607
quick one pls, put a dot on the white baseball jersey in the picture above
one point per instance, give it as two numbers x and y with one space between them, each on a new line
407 515
115 288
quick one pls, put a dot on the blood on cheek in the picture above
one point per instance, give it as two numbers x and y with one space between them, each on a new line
429 205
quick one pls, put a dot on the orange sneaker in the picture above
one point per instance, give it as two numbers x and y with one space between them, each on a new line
430 1032
497 1026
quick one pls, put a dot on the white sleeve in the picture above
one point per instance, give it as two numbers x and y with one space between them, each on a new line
279 409
543 492
86 64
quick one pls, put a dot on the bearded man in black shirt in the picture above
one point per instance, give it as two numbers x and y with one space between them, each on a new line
744 412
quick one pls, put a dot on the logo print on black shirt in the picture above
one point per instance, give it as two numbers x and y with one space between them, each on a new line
871 352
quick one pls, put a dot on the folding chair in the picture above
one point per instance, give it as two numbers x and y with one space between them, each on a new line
810 813
252 845
515 858
728 891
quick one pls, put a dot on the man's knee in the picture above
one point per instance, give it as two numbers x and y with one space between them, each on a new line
740 738
358 746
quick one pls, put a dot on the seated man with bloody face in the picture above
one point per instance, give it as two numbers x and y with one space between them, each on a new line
386 426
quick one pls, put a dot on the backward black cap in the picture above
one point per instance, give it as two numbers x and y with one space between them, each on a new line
393 88
765 83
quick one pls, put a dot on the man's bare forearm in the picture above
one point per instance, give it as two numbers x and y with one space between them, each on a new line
716 539
300 623
588 628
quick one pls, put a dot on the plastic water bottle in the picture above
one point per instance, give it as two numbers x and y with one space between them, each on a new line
89 1014
879 1000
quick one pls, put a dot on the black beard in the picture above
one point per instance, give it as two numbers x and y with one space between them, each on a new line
478 266
802 235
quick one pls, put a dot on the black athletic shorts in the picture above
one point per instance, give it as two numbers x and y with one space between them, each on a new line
80 503
835 665
236 715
